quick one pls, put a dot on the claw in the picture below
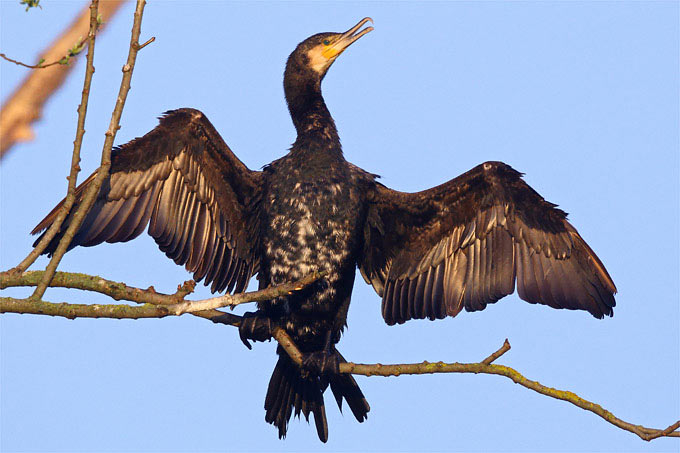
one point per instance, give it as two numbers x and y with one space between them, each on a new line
256 327
244 340
321 362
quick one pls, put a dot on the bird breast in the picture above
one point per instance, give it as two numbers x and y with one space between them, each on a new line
312 225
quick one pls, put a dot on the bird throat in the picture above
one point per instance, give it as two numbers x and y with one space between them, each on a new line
307 107
311 117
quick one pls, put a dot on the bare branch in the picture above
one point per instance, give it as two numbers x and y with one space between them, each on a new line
103 172
150 40
77 144
229 300
150 296
503 349
25 105
287 343
671 431
170 304
115 290
483 368
72 311
174 303
121 291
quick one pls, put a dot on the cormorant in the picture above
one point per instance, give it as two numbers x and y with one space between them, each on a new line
430 254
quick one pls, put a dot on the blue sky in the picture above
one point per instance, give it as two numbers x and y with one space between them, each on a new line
581 96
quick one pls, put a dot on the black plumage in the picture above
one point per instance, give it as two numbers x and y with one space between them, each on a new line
429 254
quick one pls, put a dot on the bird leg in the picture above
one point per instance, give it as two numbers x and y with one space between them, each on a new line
326 361
255 326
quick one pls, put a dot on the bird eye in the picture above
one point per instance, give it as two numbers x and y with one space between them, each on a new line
326 42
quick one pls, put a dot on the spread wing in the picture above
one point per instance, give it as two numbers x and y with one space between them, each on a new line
464 243
198 199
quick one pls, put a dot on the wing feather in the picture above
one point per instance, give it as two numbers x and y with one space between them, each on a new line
131 226
467 242
197 199
204 264
216 265
438 303
429 313
200 238
454 288
410 300
403 298
419 298
103 222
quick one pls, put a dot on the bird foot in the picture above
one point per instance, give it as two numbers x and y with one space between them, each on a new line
321 362
256 327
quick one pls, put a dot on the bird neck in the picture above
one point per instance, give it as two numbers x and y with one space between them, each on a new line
312 120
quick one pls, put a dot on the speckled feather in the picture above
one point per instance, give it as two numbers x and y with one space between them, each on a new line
312 221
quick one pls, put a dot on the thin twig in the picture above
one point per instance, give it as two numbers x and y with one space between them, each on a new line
668 432
77 144
503 349
34 66
103 172
141 46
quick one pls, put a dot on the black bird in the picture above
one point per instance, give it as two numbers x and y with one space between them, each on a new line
430 254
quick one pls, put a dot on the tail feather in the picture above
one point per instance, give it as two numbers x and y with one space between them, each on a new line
320 417
288 389
290 392
344 386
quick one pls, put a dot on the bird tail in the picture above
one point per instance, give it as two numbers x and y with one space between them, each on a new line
290 388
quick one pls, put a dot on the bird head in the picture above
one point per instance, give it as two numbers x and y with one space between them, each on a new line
318 52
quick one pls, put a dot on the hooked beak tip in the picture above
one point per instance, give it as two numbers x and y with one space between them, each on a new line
356 32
